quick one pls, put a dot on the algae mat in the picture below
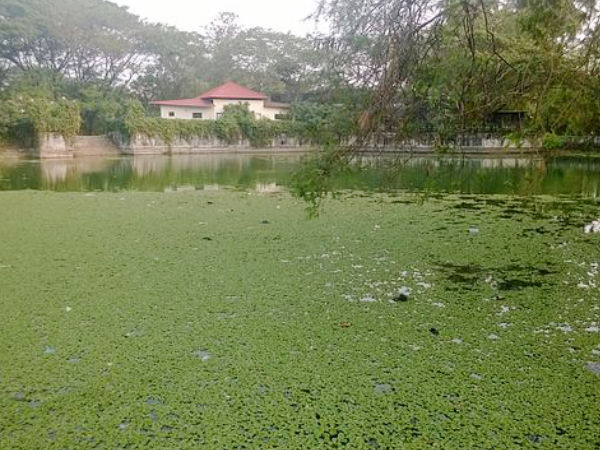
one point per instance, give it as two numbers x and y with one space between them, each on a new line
229 321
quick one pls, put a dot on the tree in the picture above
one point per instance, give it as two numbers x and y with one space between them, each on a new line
177 66
91 40
265 60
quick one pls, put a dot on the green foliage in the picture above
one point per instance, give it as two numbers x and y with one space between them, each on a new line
324 124
449 72
97 41
236 123
552 141
136 121
84 39
315 178
24 117
53 100
100 106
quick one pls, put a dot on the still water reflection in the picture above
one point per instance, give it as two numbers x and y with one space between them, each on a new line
272 173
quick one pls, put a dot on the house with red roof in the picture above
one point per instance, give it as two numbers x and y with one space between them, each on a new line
210 104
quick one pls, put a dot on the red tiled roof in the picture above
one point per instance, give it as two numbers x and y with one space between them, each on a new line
229 90
232 90
195 102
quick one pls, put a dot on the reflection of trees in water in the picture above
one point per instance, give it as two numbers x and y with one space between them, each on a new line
533 179
475 175
268 173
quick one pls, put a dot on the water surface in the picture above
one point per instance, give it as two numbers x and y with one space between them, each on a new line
268 173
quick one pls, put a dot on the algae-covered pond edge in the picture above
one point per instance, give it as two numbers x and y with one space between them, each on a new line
133 330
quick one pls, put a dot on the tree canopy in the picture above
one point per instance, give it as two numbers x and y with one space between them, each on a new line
399 67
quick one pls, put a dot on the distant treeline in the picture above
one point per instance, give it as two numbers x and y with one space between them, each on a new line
397 68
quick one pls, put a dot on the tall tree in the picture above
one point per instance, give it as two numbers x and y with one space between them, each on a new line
91 40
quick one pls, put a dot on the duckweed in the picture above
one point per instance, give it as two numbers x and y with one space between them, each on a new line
124 327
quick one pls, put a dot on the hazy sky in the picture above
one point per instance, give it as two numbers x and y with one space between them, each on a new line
192 15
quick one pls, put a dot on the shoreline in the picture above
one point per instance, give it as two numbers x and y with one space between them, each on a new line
20 154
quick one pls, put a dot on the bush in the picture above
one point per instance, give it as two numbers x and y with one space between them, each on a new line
23 117
237 122
552 141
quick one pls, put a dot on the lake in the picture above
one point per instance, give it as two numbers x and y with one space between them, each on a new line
212 317
578 176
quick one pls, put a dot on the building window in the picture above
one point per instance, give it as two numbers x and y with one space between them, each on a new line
196 115
171 113
282 116
219 115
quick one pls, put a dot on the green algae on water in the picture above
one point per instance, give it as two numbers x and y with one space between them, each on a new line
124 327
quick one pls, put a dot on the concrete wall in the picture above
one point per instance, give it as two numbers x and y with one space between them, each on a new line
144 145
54 145
467 143
94 146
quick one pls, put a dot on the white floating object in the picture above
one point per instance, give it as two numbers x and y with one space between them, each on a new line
68 309
593 227
203 355
473 230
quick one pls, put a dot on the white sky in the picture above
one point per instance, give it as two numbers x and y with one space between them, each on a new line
193 15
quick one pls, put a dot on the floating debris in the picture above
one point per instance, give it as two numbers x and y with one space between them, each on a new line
49 350
593 227
493 337
204 355
403 295
473 231
345 324
535 438
368 299
593 367
383 388
434 331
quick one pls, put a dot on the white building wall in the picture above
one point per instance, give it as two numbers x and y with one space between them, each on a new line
185 112
255 106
